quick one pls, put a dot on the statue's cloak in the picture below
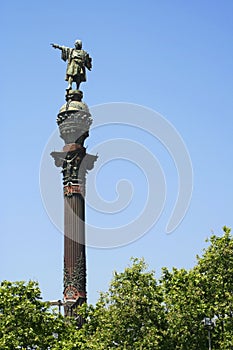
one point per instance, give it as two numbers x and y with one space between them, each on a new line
76 62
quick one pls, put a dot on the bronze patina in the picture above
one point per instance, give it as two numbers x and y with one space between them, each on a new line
77 62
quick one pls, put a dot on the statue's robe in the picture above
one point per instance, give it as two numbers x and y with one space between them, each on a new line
77 61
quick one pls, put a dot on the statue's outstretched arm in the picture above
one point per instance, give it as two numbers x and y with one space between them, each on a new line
55 46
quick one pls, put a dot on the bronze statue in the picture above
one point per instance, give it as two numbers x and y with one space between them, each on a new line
78 61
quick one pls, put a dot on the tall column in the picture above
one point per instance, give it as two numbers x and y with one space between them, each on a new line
74 121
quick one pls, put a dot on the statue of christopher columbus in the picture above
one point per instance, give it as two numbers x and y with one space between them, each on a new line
77 62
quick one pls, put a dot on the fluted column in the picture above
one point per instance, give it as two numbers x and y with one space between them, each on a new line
74 121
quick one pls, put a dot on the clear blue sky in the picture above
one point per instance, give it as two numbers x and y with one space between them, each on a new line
175 57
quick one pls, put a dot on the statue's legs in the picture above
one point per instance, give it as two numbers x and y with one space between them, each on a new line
70 81
78 83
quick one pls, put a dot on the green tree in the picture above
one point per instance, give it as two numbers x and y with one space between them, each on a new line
130 315
137 312
185 308
216 269
25 321
204 291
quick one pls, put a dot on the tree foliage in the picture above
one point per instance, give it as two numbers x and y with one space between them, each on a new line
204 291
25 321
216 269
140 313
130 315
137 312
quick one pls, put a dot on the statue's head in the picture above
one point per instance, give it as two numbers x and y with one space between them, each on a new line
78 44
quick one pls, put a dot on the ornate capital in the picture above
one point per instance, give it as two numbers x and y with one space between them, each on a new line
74 121
75 165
